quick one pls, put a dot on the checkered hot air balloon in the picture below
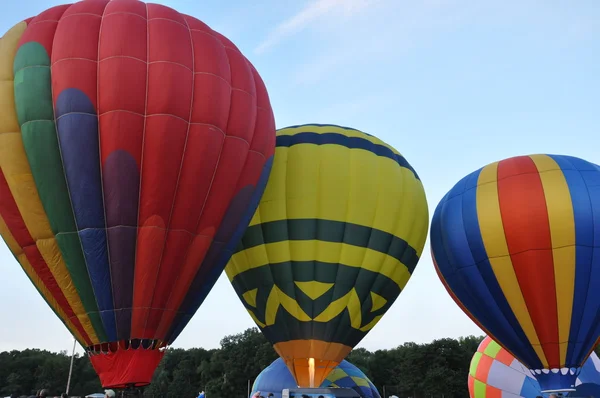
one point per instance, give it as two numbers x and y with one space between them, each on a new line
517 245
135 143
495 373
277 376
337 235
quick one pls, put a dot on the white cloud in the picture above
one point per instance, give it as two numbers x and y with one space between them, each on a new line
309 14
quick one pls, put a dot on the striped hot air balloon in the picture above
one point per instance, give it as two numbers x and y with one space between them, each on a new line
338 233
517 245
135 143
495 373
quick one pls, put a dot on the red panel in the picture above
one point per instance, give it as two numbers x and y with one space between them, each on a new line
265 121
484 344
471 383
125 82
173 258
210 56
122 102
213 101
194 257
14 222
157 11
200 160
75 52
150 242
483 369
164 142
170 42
492 392
170 88
12 216
41 29
86 7
124 131
197 25
224 186
126 367
117 26
527 231
505 357
126 6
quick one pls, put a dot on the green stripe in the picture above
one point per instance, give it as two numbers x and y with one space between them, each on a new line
330 231
33 100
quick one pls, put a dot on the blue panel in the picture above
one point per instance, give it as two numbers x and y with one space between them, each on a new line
583 179
477 289
589 373
96 257
77 125
276 377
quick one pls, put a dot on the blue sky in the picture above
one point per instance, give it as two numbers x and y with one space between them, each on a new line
452 84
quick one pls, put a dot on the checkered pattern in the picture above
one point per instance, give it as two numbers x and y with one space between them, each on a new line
495 373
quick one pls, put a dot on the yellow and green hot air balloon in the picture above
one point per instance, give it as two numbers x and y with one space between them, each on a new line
337 234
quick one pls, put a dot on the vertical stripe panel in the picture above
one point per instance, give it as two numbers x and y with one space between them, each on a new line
37 282
74 94
583 180
13 158
239 178
169 110
562 231
527 231
122 73
494 239
31 259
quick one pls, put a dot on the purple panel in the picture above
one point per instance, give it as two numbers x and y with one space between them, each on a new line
121 244
121 179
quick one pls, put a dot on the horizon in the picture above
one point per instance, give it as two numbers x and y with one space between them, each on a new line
452 85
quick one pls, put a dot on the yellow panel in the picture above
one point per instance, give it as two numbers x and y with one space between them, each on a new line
312 250
378 301
48 296
250 297
562 232
348 132
15 166
335 183
50 251
314 289
494 240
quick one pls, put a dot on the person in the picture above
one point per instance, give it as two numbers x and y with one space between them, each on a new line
44 393
256 394
271 395
64 395
109 394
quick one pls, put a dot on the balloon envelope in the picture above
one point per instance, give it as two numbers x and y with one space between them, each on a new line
496 373
338 233
276 377
517 245
135 143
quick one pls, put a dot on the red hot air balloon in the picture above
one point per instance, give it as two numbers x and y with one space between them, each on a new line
135 143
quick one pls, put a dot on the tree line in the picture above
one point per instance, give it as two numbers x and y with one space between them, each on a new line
439 368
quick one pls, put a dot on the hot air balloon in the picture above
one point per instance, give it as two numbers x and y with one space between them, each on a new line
135 143
276 377
496 373
338 233
517 246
